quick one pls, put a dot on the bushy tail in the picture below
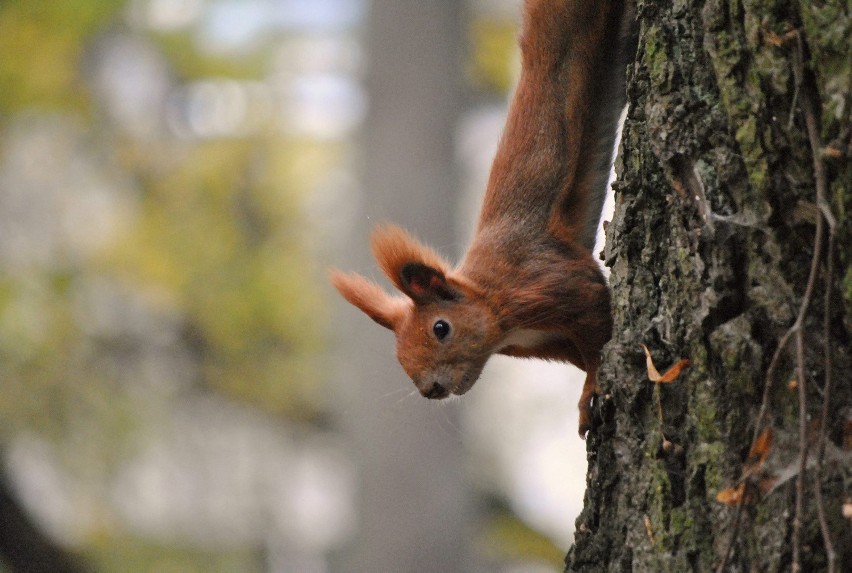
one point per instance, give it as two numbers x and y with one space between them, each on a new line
559 140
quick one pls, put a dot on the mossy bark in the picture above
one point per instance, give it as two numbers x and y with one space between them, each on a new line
710 249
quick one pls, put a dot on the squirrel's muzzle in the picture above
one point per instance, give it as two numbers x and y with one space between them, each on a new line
435 391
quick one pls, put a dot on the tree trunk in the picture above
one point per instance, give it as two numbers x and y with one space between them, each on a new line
414 509
734 169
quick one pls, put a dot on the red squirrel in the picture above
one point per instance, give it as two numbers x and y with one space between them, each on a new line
528 285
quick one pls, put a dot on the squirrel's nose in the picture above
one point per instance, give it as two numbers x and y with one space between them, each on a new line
436 392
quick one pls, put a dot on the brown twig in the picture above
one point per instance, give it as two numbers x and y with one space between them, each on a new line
767 384
826 398
803 452
809 112
796 329
825 211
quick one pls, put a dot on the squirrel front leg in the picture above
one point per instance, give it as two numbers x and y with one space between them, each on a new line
580 347
565 350
590 390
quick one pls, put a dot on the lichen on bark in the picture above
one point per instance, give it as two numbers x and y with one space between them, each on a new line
710 247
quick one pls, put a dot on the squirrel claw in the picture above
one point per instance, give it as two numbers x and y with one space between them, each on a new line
590 390
585 417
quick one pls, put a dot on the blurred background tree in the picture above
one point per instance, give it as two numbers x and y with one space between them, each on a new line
157 273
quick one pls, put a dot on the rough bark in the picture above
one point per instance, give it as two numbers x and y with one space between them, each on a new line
711 248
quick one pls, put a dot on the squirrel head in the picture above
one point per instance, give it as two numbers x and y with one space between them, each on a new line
445 329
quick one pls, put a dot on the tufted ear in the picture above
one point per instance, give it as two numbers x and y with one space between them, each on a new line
370 298
412 267
425 284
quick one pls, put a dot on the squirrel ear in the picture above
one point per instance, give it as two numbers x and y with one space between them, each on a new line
370 298
411 266
425 284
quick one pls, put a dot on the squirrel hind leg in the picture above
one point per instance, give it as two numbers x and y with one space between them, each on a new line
590 390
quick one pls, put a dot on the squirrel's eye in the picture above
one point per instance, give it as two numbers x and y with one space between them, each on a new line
441 329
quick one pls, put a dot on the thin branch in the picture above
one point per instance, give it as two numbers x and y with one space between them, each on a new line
826 399
809 112
825 211
803 452
770 375
796 329
767 387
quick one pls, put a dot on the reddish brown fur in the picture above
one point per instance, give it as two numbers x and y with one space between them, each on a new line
528 286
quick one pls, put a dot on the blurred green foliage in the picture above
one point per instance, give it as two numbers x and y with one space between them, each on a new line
219 231
218 228
216 251
493 62
41 45
189 64
133 554
506 538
